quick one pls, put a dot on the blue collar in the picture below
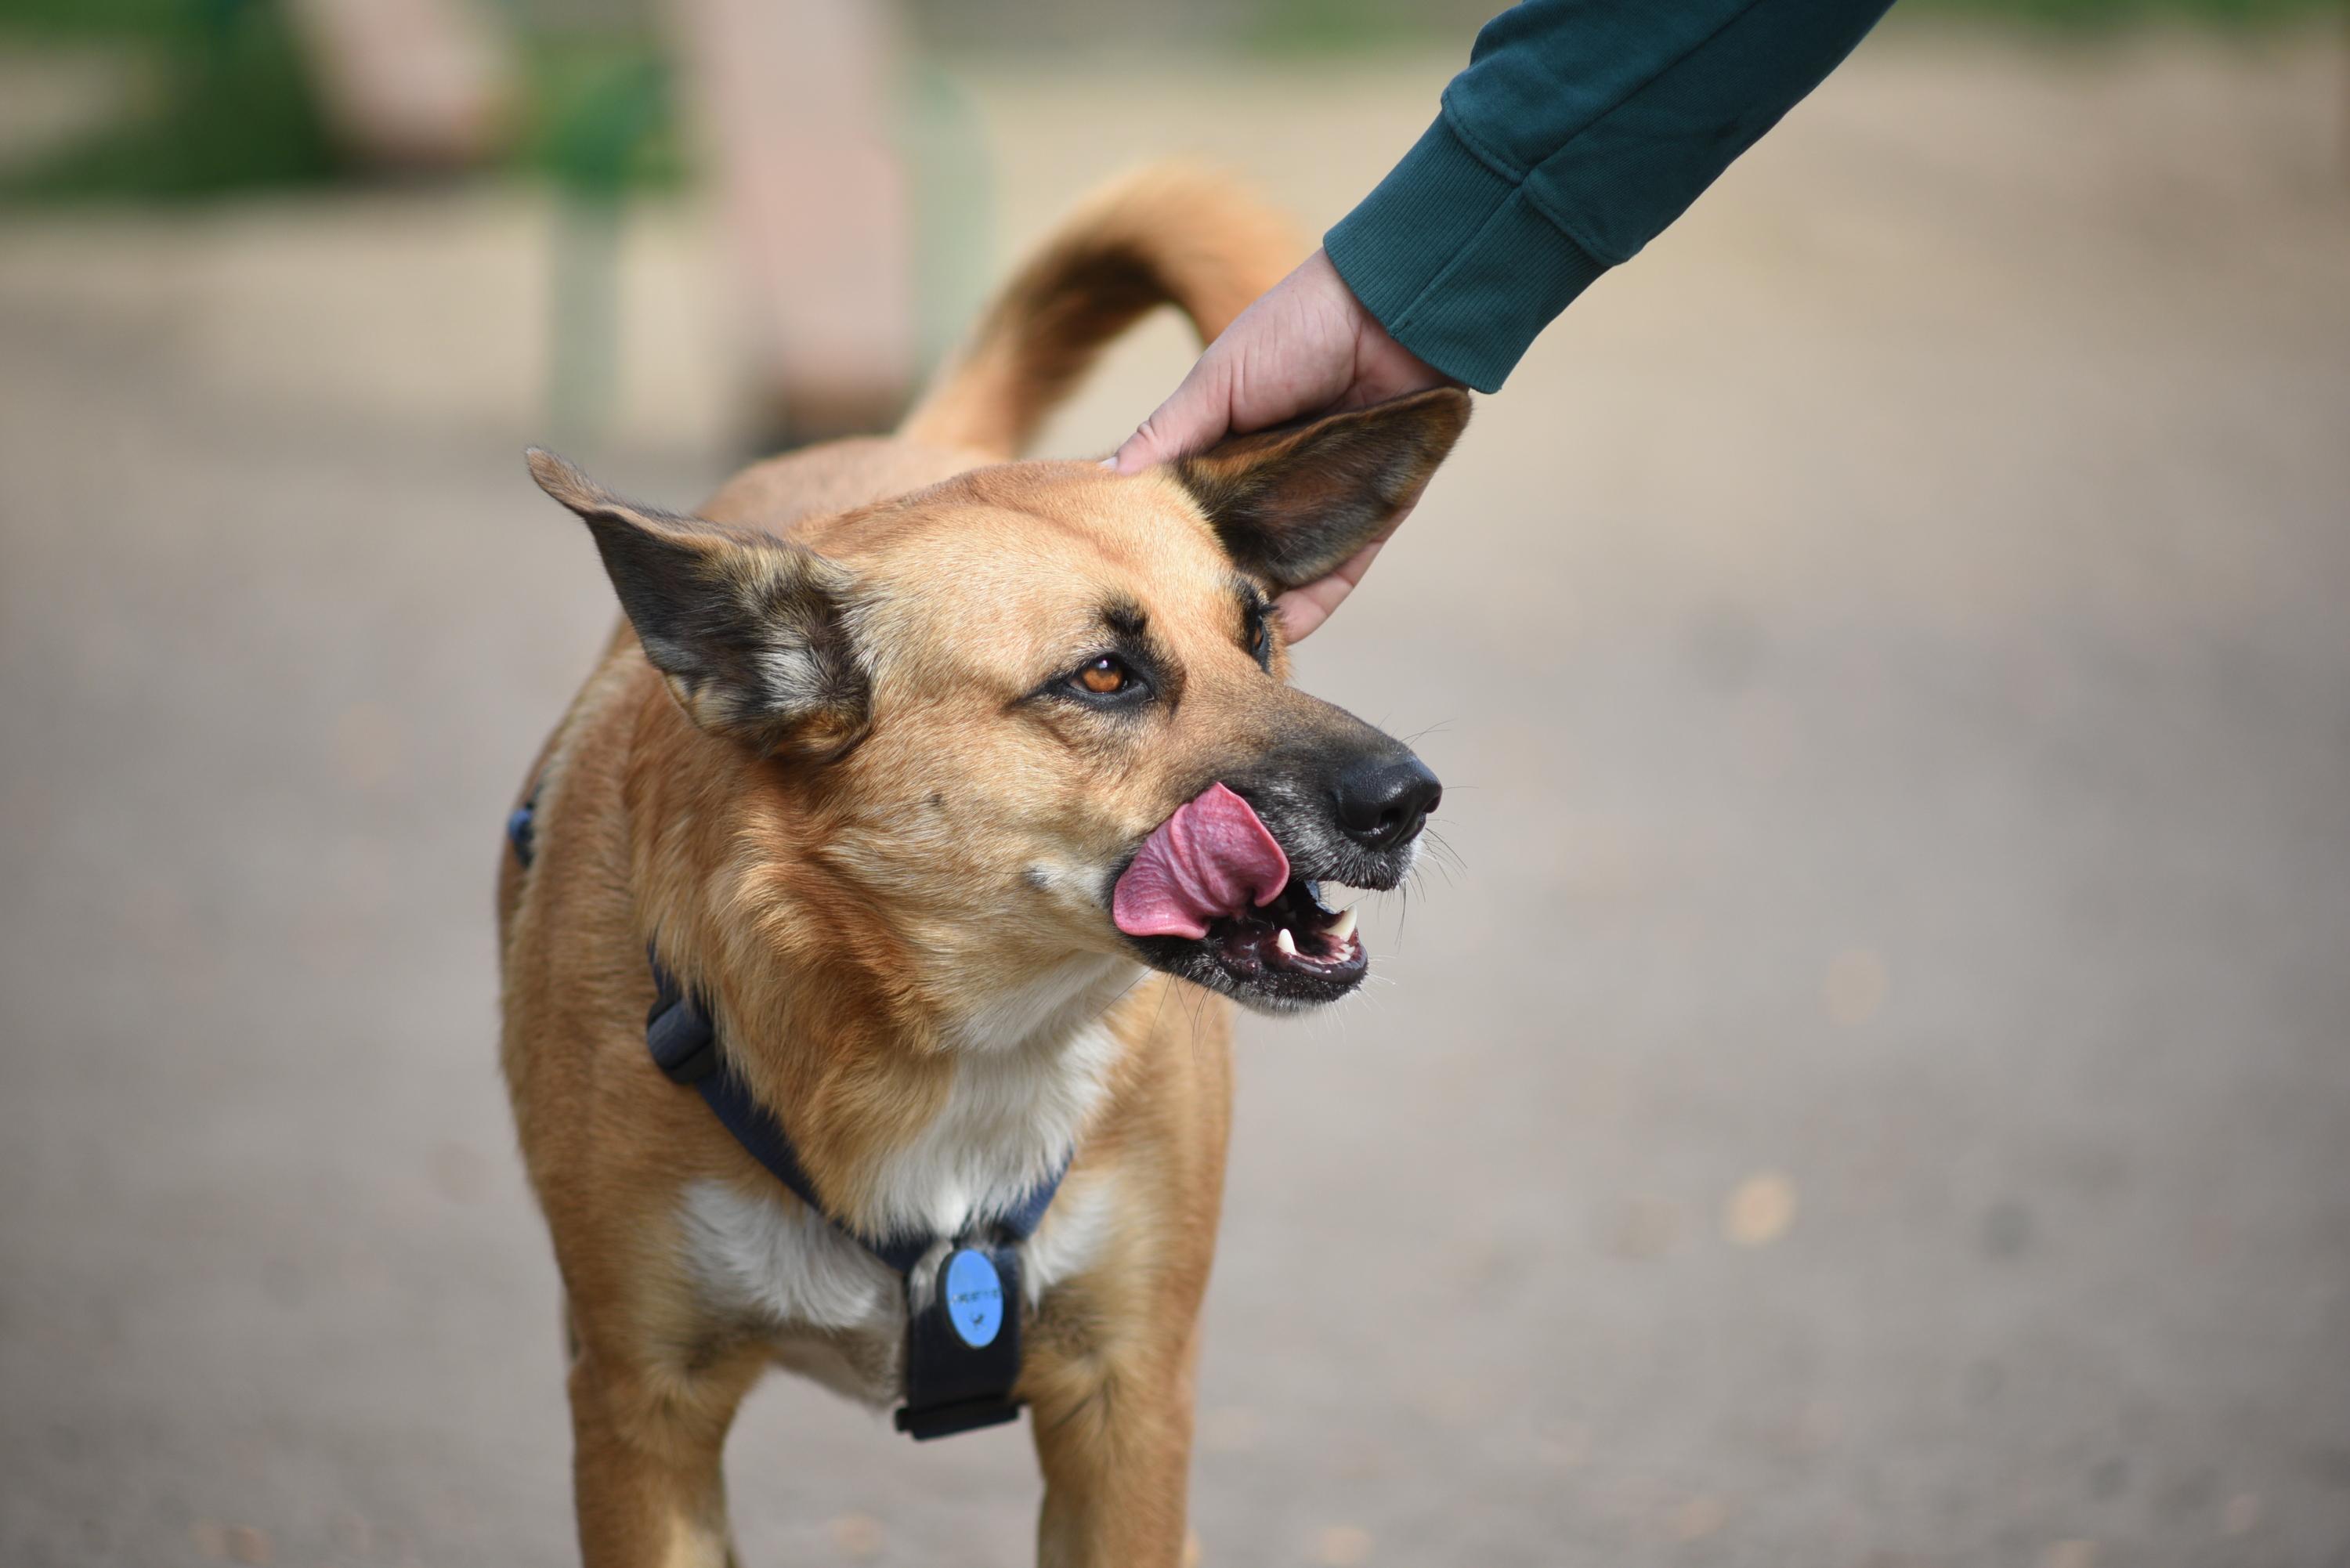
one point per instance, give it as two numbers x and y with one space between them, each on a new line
953 1384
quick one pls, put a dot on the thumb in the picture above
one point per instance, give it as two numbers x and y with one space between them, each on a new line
1196 414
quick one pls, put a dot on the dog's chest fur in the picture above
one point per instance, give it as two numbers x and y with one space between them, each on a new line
763 1265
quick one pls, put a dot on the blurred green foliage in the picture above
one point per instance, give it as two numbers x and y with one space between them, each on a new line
97 18
234 110
231 109
1296 29
2108 15
601 120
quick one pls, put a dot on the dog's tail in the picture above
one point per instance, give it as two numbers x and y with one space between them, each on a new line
1170 235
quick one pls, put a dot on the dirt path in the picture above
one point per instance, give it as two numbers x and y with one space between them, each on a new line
1874 1091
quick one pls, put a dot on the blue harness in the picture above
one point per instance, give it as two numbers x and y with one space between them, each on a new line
962 1352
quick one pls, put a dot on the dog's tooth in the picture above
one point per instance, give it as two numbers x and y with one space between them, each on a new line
1342 930
1286 942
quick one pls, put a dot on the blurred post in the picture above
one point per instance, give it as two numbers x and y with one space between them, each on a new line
954 204
794 99
583 367
594 146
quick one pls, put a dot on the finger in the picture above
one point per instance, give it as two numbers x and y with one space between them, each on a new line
1196 414
1304 608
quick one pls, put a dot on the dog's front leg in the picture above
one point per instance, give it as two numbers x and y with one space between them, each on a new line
1113 1430
647 1447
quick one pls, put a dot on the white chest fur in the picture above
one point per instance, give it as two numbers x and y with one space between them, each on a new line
765 1265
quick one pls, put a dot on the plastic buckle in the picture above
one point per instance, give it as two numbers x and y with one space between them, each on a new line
946 1420
682 1041
522 829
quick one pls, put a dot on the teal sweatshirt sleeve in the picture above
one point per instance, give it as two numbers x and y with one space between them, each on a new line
1579 130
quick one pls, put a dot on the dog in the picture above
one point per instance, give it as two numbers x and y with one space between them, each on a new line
916 797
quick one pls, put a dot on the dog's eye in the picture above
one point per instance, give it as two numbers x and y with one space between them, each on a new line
1105 675
1104 681
1260 639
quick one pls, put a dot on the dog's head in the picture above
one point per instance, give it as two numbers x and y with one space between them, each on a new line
1041 710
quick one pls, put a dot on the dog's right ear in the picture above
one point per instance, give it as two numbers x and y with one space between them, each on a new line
750 631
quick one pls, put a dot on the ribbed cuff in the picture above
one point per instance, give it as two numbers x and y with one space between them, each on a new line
1454 262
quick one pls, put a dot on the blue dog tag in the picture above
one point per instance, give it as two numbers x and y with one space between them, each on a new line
974 1298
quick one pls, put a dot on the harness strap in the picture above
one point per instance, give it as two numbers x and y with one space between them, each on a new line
962 1352
522 829
685 1045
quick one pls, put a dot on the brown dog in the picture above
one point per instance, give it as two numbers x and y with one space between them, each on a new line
909 765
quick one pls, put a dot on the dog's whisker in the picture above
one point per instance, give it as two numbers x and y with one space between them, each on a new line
1446 857
1418 735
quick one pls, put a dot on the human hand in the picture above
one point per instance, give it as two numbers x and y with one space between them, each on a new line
1305 347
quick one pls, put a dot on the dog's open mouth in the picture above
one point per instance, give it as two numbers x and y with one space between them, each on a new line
1211 896
1296 937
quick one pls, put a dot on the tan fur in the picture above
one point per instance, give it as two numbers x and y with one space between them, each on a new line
852 922
1175 234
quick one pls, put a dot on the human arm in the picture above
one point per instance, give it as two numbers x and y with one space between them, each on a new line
1580 130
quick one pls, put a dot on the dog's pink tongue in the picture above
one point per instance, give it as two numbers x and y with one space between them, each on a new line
1213 858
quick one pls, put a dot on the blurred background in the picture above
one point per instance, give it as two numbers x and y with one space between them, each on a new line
1871 1085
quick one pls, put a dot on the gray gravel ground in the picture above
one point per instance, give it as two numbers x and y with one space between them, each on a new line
1872 1090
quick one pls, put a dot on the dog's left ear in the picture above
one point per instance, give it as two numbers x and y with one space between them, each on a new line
749 631
1293 504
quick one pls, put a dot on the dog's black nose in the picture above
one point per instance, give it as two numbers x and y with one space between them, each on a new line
1384 801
